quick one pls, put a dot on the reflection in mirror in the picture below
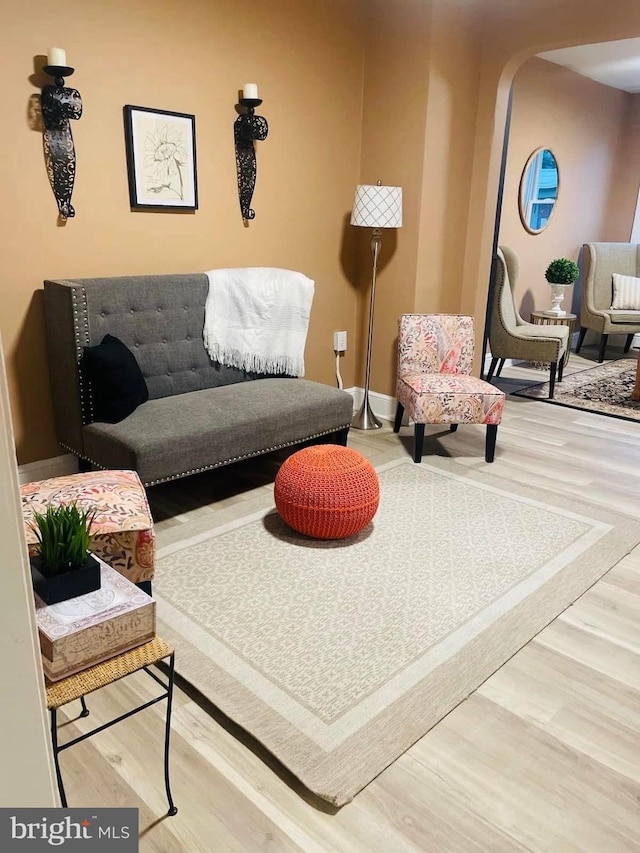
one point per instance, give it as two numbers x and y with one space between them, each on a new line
538 190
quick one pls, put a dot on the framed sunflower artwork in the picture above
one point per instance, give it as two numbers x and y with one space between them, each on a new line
161 158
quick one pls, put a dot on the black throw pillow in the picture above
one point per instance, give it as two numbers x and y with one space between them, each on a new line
117 383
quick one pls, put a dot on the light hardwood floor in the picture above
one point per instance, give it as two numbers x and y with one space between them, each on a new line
544 756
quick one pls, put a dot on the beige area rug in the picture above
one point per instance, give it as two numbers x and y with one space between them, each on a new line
605 389
338 656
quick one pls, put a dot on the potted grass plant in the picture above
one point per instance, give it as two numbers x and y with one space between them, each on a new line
63 567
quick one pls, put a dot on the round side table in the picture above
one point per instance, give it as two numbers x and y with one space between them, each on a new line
539 318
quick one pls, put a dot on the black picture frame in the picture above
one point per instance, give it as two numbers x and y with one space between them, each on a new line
161 159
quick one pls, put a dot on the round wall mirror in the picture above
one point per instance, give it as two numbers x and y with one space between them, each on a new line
538 190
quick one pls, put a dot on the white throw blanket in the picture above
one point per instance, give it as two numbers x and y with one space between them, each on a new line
256 318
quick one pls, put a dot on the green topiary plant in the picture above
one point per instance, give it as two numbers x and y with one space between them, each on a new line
63 538
562 271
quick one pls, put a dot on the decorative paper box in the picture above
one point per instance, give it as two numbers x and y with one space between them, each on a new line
91 628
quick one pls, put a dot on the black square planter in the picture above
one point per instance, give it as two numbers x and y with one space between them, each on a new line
79 581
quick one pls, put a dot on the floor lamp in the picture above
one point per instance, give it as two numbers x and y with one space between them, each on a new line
377 207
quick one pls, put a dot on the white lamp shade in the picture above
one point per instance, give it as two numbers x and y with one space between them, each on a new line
377 207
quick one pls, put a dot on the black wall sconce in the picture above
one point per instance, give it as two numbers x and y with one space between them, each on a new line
248 128
59 105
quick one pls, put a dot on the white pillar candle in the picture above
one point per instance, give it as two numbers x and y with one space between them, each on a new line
250 90
56 56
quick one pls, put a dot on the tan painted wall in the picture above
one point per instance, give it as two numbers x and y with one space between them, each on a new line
429 101
626 175
396 85
512 34
421 78
448 156
584 123
191 57
472 50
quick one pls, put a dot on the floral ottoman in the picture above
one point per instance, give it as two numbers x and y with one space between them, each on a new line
123 527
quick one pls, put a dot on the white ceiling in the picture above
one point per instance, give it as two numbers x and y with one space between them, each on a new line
614 63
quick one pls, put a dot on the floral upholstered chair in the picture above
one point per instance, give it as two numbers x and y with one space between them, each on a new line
434 382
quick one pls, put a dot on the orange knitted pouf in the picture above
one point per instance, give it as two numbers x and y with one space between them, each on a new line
327 491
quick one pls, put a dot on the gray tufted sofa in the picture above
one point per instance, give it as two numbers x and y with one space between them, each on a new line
199 415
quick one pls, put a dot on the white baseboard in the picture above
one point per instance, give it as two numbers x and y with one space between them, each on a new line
43 469
382 405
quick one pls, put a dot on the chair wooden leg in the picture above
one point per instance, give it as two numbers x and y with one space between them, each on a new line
552 378
418 440
492 367
453 427
490 444
500 366
399 414
603 346
627 345
583 332
561 366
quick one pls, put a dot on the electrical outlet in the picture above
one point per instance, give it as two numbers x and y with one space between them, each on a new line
340 341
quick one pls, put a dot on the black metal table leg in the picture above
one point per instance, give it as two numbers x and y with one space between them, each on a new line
167 694
172 807
54 741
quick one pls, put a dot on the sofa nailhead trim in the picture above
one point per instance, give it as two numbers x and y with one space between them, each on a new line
80 314
216 464
243 456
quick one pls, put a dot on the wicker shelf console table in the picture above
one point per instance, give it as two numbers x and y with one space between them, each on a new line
77 686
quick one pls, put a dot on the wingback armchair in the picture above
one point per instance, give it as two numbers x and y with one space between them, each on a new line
512 337
598 263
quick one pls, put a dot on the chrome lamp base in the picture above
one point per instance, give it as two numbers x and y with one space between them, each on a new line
364 417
